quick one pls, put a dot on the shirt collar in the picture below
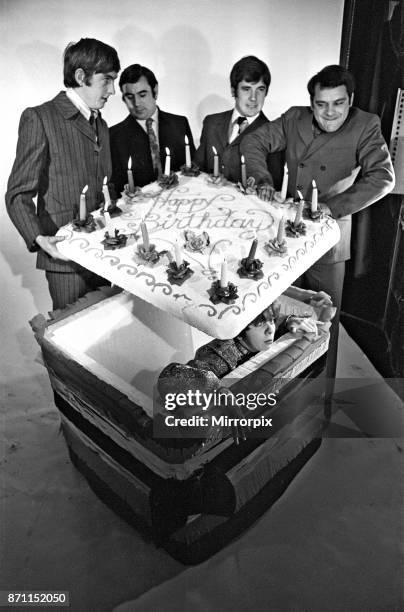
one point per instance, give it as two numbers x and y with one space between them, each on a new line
155 117
79 103
236 115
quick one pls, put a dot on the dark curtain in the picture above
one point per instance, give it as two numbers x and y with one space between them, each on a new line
372 47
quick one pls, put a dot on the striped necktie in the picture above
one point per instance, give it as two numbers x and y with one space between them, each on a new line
154 147
238 126
242 124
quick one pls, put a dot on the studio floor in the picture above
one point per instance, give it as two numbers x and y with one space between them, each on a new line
330 543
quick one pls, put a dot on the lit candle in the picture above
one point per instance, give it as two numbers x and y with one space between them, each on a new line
130 177
215 162
251 254
187 153
105 192
299 212
83 207
145 235
314 197
168 162
223 274
281 231
243 172
285 180
177 254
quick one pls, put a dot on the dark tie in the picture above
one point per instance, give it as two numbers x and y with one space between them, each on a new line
94 123
242 124
154 147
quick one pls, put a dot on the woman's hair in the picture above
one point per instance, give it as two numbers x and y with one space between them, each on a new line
268 314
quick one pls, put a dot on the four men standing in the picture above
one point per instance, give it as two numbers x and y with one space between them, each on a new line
63 145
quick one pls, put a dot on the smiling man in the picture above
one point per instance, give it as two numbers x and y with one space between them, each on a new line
249 83
339 146
62 146
146 132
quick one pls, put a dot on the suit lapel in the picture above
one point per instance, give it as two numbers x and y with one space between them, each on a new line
222 129
305 129
72 114
260 120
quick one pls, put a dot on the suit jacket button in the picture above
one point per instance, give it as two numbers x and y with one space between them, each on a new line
323 167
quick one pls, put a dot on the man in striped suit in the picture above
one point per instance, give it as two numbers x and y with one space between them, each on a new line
62 146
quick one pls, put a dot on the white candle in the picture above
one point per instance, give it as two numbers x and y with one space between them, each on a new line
223 274
285 180
281 230
107 219
215 162
105 192
298 218
243 172
83 207
131 184
314 197
187 153
177 254
145 235
168 162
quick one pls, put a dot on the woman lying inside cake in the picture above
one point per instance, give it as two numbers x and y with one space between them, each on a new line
220 357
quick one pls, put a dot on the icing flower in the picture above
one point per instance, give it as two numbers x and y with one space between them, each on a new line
196 242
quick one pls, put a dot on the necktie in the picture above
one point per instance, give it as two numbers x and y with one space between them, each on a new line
94 123
242 124
154 147
239 126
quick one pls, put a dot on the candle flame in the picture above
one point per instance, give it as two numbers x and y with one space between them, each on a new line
313 182
214 150
242 159
186 139
85 189
167 151
104 182
130 163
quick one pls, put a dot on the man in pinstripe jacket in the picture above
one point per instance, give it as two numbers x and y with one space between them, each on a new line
62 146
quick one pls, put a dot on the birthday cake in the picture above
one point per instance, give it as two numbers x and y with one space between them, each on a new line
212 227
192 260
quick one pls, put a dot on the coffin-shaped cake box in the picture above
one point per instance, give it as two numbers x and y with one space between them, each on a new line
104 355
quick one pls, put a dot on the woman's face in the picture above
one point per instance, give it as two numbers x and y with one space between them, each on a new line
259 337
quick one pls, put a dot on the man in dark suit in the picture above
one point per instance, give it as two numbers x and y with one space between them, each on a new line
146 132
249 82
342 149
62 146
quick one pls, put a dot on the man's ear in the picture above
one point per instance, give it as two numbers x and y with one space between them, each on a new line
351 99
80 76
156 91
233 92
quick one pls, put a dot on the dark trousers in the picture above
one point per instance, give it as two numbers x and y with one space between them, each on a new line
328 278
67 287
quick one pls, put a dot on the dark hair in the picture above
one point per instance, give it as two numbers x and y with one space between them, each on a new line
133 73
330 77
269 314
250 69
92 56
